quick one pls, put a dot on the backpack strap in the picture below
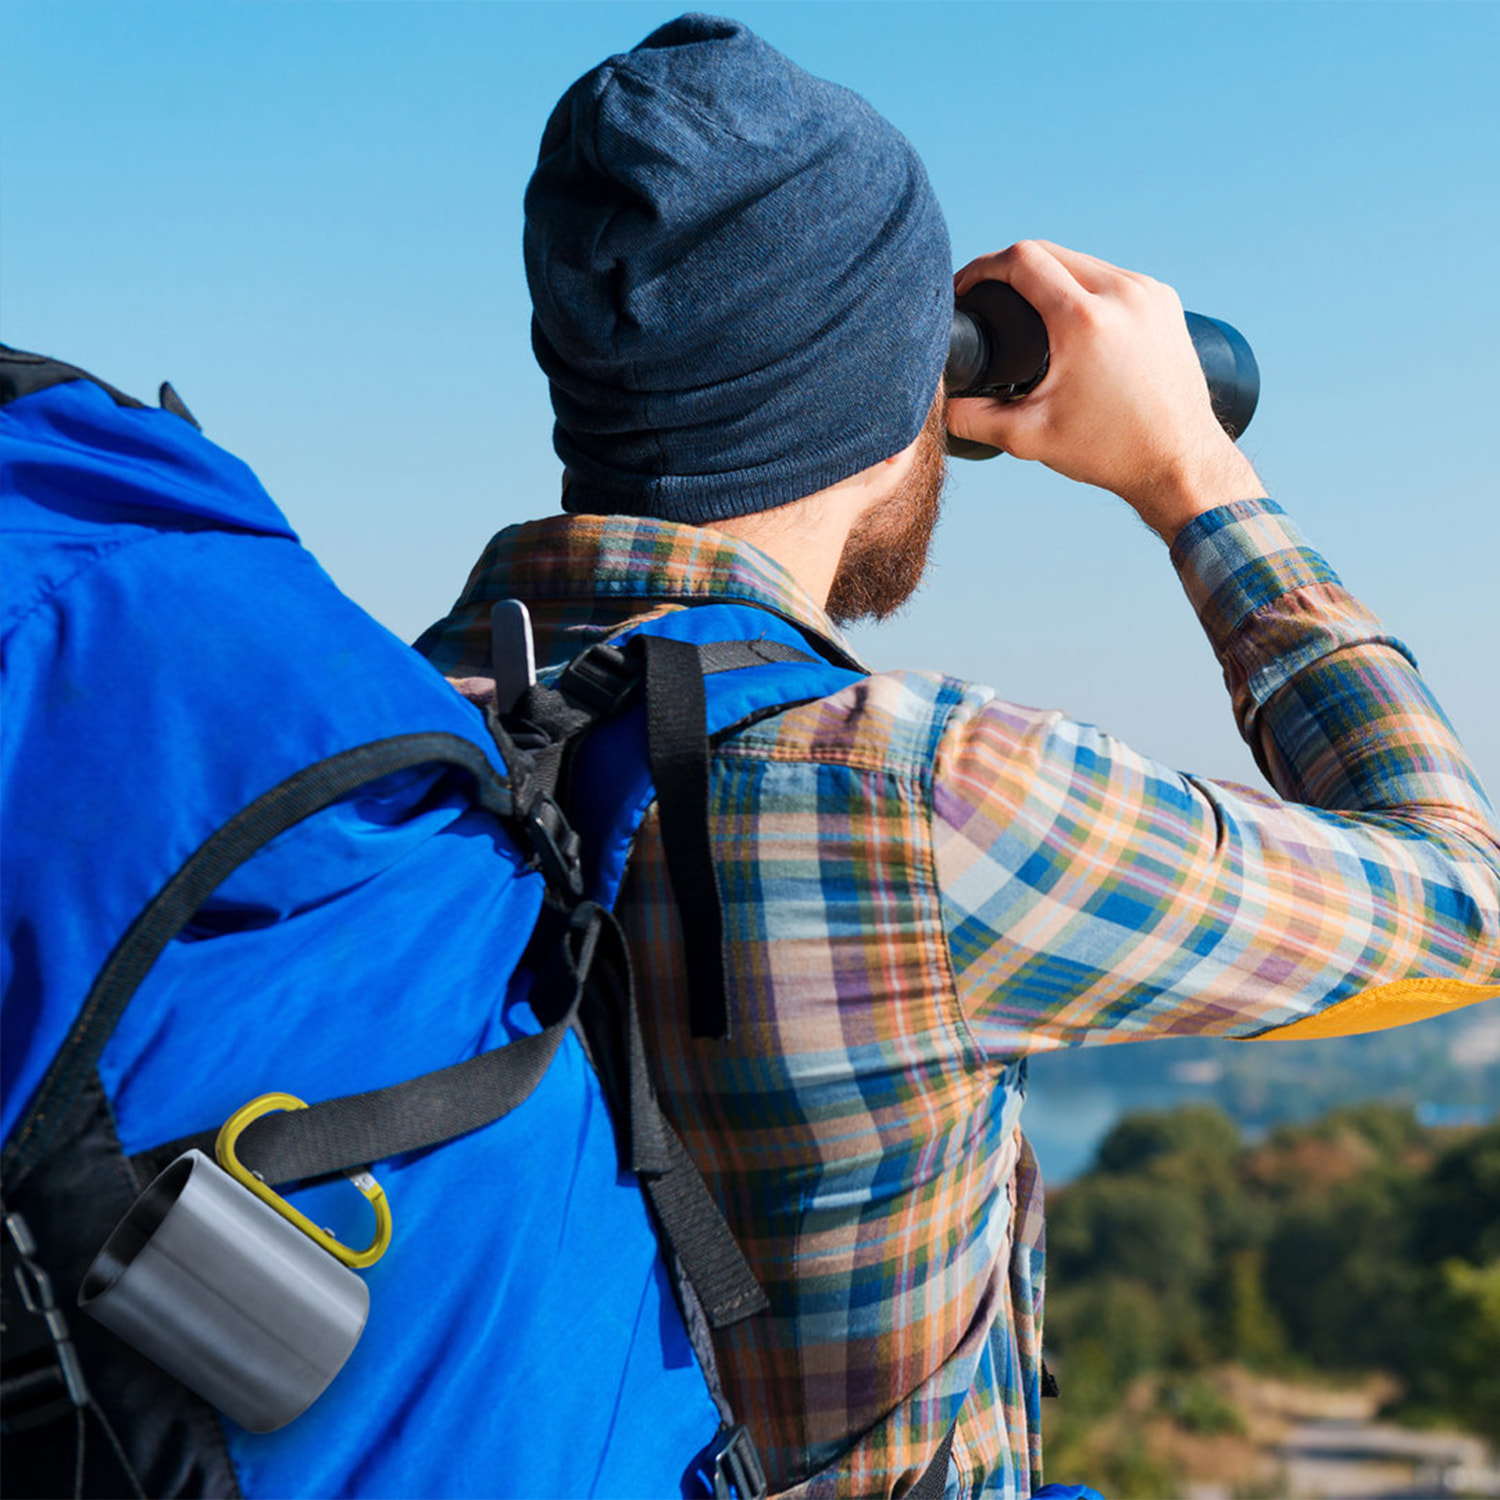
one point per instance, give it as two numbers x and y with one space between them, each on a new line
681 730
607 757
678 752
692 1227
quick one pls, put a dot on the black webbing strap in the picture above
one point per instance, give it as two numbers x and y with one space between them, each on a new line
536 815
545 725
338 1135
677 748
695 1229
300 796
690 1220
678 751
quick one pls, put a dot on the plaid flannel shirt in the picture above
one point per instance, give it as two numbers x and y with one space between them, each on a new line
923 884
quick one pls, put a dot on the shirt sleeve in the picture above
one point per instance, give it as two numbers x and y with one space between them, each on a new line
1091 894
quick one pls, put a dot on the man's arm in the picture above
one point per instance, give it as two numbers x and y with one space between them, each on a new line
1092 894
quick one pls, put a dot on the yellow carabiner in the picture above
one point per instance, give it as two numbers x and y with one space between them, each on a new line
229 1133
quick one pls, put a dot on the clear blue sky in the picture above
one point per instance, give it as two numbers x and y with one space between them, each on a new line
309 216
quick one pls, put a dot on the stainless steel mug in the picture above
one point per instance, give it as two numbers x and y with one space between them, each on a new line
226 1295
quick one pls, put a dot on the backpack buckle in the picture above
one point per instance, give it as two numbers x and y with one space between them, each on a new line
736 1468
599 679
556 846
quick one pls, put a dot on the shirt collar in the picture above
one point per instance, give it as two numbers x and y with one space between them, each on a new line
619 567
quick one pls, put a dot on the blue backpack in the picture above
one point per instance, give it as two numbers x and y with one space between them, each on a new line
258 854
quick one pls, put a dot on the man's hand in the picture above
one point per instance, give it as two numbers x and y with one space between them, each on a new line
1124 404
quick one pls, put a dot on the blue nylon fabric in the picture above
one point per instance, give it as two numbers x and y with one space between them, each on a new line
160 673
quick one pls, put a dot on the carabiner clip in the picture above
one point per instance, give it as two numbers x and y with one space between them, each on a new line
229 1133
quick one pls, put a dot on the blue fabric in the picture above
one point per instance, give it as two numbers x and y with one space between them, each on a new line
1066 1492
741 279
168 657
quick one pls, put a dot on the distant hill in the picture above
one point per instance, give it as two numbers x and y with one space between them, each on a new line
1447 1069
1360 1245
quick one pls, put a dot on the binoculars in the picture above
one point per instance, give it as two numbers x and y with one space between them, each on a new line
999 348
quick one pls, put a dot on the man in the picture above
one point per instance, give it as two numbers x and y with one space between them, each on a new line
742 293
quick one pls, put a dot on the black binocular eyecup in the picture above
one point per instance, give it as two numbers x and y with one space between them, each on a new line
999 349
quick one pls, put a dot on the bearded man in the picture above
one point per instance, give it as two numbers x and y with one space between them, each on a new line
743 292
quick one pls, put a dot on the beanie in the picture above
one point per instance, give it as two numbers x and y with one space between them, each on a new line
740 277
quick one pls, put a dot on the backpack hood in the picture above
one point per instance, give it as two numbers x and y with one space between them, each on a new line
85 468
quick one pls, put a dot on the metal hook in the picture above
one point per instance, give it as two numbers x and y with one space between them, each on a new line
224 1150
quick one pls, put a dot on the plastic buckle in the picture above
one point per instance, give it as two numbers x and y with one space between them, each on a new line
43 1379
555 845
600 679
737 1471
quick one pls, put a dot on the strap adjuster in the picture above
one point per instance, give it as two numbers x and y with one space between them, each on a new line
556 846
600 679
737 1472
43 1379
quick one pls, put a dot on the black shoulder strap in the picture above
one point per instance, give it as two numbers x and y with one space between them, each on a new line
677 747
691 1224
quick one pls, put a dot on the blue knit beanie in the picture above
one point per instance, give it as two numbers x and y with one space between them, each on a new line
741 279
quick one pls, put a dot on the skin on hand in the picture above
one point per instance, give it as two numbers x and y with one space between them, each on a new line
1124 404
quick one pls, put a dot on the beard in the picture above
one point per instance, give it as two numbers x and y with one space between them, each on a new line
886 555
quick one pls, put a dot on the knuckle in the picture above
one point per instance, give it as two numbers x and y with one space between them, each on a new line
1162 293
1090 313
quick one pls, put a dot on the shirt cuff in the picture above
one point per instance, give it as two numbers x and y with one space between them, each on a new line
1238 558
